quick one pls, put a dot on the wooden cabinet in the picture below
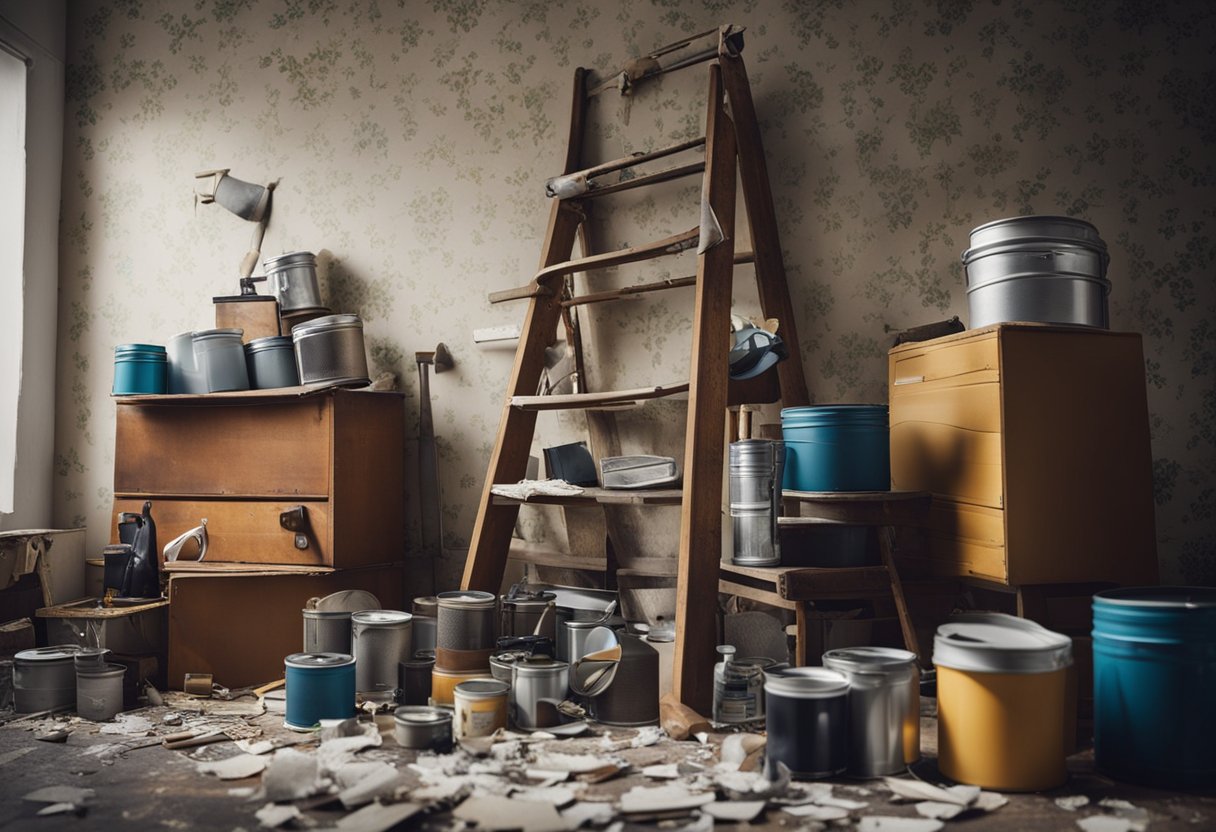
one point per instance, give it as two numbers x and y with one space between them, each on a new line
1034 441
282 476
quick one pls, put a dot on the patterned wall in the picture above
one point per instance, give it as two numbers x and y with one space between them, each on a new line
411 141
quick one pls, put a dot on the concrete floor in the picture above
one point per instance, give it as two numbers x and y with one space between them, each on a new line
158 788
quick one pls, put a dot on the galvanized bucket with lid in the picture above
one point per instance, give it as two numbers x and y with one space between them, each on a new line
380 641
884 707
1037 268
423 728
1002 702
755 502
330 350
807 719
44 678
293 280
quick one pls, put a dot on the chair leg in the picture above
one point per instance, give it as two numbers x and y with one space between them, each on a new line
886 544
802 636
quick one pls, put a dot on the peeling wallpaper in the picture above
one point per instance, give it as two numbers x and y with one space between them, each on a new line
411 141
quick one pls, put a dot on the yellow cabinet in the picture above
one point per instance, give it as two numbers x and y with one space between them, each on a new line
1034 441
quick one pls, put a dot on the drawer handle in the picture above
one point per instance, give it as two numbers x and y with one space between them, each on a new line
296 520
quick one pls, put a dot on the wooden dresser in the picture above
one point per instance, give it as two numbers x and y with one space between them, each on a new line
1034 440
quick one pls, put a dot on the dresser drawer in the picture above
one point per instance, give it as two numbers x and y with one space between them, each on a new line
946 460
239 531
968 541
964 362
246 450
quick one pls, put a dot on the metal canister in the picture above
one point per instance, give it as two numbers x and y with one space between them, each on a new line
481 708
44 678
884 707
293 280
573 637
380 641
426 608
330 350
414 678
466 620
535 680
220 356
423 728
99 691
633 697
318 686
807 720
271 362
530 613
327 631
755 496
183 373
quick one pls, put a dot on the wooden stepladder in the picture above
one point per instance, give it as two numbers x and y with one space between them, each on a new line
732 147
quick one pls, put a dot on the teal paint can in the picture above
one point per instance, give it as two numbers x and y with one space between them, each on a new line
319 686
139 369
838 447
1154 679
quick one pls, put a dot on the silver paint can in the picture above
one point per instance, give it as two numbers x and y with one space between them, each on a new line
426 608
532 614
380 641
220 356
755 497
533 681
326 631
330 350
293 280
99 691
884 707
271 362
44 678
422 727
465 620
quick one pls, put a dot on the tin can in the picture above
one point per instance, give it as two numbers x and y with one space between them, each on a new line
221 359
884 708
99 691
633 697
481 708
739 689
423 728
271 362
533 614
318 686
293 280
44 678
466 620
326 631
533 681
330 351
414 678
139 369
807 720
380 641
755 496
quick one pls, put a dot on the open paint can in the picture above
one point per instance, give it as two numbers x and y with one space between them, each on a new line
1002 702
807 720
884 708
319 686
481 708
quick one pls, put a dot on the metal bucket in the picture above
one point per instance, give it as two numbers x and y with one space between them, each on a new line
755 495
329 350
44 678
1154 674
521 616
423 728
293 280
465 620
807 720
535 680
838 447
1046 269
380 641
318 686
633 697
271 362
884 708
326 632
221 359
99 691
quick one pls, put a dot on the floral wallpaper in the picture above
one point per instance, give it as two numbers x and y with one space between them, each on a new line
411 140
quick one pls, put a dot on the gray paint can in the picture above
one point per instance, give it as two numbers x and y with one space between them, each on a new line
466 620
807 720
220 356
380 641
271 362
533 681
422 727
755 501
884 707
99 691
329 350
45 678
327 631
293 279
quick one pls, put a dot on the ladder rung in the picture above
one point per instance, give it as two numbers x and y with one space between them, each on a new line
644 181
530 290
585 401
660 248
575 183
648 66
741 257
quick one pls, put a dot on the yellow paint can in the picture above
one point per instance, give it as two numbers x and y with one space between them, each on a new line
444 682
481 708
1002 702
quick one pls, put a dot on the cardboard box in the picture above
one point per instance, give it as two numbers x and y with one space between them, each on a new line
239 626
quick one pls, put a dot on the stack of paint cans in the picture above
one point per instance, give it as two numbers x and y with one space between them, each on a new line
464 641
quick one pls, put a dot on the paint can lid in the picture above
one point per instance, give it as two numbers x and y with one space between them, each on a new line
525 666
54 653
345 600
466 598
382 618
999 643
482 689
806 682
421 715
877 660
1173 597
319 660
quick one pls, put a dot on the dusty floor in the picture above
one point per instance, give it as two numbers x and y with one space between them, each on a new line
159 788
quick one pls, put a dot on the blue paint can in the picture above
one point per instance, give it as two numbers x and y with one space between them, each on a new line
838 447
139 369
319 686
1154 676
